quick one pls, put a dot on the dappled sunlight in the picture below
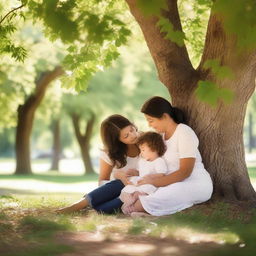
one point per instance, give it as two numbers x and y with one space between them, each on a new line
127 245
125 248
250 159
66 166
191 236
37 186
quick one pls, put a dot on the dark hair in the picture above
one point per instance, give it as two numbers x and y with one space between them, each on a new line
154 141
110 135
157 106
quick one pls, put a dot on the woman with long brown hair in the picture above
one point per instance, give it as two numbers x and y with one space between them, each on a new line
118 159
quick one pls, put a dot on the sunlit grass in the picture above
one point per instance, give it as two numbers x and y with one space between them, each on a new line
30 219
34 219
252 173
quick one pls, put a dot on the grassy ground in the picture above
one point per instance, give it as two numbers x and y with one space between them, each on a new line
29 225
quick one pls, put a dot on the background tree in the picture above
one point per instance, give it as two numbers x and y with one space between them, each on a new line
83 45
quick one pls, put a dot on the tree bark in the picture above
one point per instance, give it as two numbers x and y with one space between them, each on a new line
26 114
84 140
56 149
220 129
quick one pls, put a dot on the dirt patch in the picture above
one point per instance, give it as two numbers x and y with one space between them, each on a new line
95 244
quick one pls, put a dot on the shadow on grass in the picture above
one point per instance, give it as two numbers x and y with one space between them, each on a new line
58 178
237 226
37 236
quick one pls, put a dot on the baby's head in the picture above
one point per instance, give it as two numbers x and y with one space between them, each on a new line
151 145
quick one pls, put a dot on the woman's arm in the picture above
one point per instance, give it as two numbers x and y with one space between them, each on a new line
186 168
105 171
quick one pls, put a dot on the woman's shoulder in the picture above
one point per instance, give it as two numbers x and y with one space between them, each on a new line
183 128
185 132
105 157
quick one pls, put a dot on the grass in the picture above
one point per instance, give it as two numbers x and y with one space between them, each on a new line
252 172
28 224
33 224
52 177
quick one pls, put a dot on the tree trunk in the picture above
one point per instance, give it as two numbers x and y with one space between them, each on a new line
84 140
26 114
220 129
56 149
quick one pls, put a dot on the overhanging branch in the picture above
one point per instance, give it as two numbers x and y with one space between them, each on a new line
13 10
171 60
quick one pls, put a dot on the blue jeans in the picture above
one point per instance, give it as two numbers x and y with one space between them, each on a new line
105 199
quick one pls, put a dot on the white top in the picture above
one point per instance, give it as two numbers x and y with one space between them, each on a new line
131 162
146 167
150 167
182 144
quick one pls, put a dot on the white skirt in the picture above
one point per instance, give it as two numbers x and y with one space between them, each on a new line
178 196
146 188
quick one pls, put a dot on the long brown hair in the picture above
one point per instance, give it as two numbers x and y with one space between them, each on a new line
110 135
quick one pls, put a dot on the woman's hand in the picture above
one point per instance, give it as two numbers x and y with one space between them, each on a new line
121 175
132 172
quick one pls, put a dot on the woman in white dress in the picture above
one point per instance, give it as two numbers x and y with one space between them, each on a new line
187 182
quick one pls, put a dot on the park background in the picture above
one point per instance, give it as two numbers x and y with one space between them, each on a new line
65 142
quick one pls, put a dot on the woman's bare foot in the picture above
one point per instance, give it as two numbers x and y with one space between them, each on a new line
74 207
139 214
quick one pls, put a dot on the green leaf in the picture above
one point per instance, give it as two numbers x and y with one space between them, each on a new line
208 92
220 71
226 95
175 36
152 7
240 20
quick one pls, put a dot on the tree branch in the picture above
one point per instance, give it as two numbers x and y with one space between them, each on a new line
76 120
45 79
42 83
13 10
89 128
172 61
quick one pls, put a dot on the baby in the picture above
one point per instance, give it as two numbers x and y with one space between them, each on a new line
151 147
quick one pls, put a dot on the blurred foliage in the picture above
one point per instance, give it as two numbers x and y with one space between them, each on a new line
93 30
90 30
86 37
244 28
194 17
10 15
17 80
